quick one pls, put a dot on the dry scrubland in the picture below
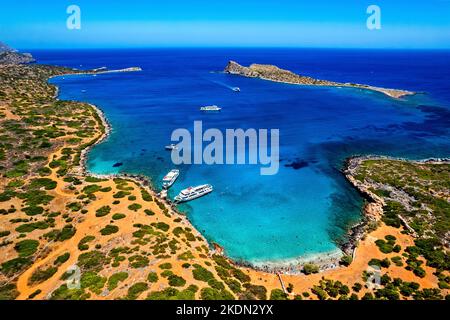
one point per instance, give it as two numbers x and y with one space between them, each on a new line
128 244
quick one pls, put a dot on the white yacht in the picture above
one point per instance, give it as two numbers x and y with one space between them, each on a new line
172 147
192 193
170 178
237 89
210 109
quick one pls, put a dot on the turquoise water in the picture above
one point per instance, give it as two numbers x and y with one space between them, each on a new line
308 206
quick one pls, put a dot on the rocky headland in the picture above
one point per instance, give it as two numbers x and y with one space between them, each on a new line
10 56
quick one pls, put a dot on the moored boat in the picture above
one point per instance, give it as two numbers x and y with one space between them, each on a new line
170 178
193 193
210 109
171 147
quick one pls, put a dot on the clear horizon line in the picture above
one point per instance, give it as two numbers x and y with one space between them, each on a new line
22 49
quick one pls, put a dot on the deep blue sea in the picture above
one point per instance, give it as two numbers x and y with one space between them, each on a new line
307 207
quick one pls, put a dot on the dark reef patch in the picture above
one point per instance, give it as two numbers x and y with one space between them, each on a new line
297 164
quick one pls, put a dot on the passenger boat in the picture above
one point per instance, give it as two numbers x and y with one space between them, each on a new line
193 193
170 178
210 109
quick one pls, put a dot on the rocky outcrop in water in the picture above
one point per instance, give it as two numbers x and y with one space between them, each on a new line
273 73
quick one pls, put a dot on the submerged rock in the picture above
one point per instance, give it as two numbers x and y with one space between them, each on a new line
297 164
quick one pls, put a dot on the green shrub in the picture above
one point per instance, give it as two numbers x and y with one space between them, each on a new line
162 226
26 248
146 196
138 261
186 256
91 261
176 281
8 292
255 292
30 227
136 290
240 275
234 285
13 266
83 244
114 280
310 268
214 294
346 260
201 274
109 229
63 293
47 184
92 281
90 189
4 234
134 207
152 277
93 180
118 216
41 275
62 259
33 211
121 194
34 294
174 294
384 246
278 294
103 211
166 266
319 292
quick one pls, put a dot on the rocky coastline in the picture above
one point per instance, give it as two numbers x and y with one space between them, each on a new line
373 209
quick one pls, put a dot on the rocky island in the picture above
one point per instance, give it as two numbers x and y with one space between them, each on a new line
273 73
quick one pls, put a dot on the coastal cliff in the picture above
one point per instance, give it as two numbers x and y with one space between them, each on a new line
276 74
11 56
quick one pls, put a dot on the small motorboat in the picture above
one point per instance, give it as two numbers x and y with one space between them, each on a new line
171 147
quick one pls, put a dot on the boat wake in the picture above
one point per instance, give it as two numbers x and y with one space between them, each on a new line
235 89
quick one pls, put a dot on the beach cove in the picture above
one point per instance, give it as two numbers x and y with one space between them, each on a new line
144 211
332 208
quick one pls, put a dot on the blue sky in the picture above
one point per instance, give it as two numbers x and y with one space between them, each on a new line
285 23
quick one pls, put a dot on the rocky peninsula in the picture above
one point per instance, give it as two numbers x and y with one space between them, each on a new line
276 74
12 56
